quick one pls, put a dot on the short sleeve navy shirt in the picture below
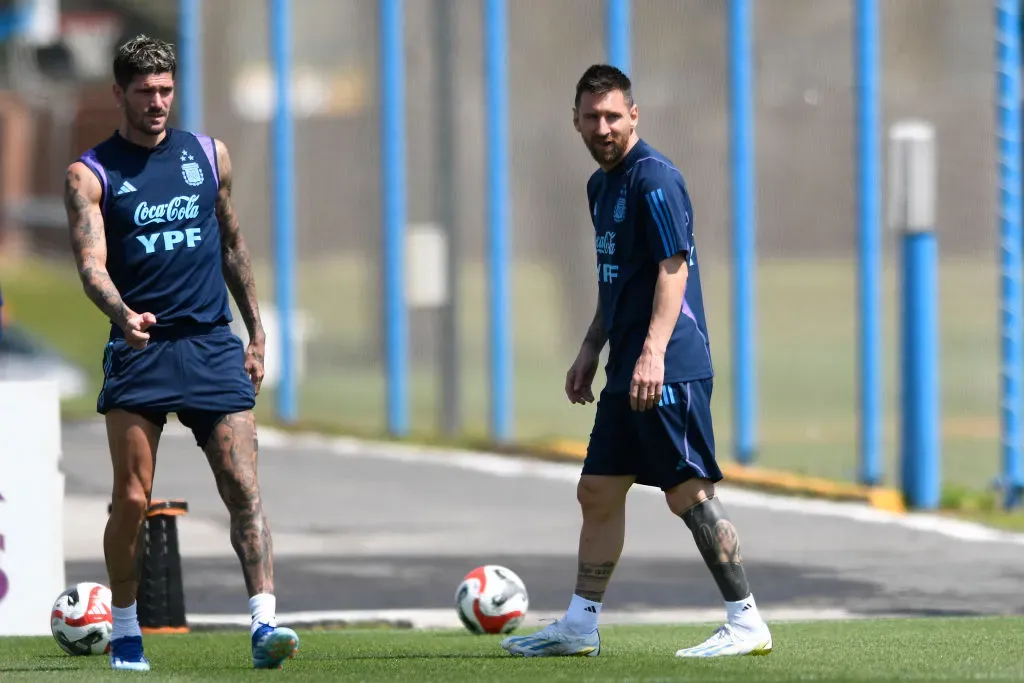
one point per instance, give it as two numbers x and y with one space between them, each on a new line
642 215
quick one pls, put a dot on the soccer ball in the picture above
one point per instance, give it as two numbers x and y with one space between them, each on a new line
491 599
81 620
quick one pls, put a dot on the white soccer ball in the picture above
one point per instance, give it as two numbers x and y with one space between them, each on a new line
491 599
81 620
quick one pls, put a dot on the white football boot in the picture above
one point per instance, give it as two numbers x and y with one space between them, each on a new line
730 641
554 640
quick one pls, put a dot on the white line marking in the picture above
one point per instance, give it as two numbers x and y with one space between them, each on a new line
447 618
512 466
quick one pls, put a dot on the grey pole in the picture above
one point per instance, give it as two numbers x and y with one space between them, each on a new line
449 412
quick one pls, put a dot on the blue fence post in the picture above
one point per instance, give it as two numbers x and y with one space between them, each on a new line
617 30
283 192
744 241
499 309
871 386
1008 108
393 198
912 173
14 20
190 60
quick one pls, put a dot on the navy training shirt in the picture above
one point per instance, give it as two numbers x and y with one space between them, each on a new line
163 238
642 215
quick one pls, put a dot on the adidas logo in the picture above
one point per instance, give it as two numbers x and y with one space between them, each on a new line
591 608
126 187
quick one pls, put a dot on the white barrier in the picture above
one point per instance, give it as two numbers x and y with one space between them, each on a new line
301 328
31 512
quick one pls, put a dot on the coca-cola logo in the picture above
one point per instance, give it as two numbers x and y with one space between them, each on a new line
180 208
3 577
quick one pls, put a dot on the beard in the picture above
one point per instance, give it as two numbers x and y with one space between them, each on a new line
142 122
608 154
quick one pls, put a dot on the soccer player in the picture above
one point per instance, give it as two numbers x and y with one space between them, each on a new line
653 421
158 246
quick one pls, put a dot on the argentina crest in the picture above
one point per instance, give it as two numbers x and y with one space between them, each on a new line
619 214
190 170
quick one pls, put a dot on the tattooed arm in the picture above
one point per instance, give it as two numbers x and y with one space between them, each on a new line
82 194
237 268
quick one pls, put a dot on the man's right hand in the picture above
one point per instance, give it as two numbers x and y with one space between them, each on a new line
135 329
580 378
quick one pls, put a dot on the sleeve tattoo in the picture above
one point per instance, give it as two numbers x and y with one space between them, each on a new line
237 266
88 243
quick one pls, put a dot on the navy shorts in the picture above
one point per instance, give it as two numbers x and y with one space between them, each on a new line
664 446
197 373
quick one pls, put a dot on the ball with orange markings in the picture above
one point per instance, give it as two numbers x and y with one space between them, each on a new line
491 599
81 619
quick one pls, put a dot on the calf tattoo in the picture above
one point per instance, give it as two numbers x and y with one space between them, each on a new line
232 453
719 546
592 579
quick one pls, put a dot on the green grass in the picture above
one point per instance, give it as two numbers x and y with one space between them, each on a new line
806 358
885 650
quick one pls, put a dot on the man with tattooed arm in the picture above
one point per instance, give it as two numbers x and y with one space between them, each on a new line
158 246
653 423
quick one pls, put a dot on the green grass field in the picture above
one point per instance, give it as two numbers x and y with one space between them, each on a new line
806 354
963 649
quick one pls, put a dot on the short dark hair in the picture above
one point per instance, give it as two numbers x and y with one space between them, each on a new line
601 79
141 56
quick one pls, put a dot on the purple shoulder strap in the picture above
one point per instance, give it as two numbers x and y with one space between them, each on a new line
90 160
210 149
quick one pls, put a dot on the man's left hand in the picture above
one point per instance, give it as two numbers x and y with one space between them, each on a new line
648 376
254 364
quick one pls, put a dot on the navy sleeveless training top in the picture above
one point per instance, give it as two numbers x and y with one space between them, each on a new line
163 238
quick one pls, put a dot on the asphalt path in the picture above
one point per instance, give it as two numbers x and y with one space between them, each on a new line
364 526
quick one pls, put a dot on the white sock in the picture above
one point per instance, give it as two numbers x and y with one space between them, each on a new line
743 614
262 607
126 622
581 617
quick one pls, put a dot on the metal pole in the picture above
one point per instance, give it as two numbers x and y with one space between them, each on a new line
1008 107
869 242
190 59
449 410
499 308
393 198
617 33
283 173
912 212
744 244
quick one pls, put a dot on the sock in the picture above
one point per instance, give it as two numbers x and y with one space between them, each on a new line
581 617
743 614
262 607
126 622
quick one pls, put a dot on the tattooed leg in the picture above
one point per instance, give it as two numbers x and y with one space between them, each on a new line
745 631
232 453
720 546
592 577
603 504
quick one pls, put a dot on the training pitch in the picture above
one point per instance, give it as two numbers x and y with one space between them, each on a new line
381 534
941 649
